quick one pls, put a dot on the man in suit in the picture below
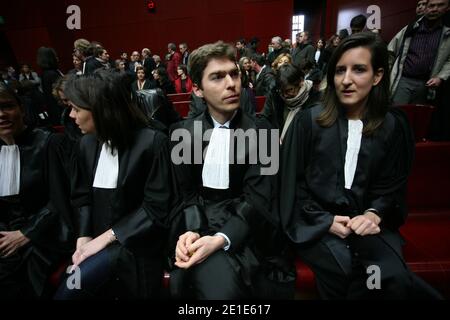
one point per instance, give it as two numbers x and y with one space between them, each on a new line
147 62
265 79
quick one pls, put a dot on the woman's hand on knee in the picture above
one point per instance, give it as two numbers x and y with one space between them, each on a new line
89 247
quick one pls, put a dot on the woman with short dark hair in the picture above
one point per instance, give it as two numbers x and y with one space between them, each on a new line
162 80
122 192
183 84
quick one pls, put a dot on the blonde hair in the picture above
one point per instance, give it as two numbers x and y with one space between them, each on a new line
277 60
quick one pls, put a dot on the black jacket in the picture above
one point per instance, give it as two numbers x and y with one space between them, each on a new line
265 82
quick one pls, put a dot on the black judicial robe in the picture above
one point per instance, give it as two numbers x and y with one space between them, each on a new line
312 179
62 156
136 209
27 212
243 211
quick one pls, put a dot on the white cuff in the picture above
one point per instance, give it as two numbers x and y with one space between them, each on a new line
227 240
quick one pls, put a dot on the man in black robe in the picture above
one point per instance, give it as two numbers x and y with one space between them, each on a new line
226 204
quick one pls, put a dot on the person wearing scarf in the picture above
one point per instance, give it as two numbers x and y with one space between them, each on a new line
293 95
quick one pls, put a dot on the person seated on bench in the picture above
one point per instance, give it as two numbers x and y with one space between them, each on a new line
345 166
27 254
225 205
122 191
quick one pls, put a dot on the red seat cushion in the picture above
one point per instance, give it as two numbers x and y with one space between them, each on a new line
182 107
429 182
177 97
260 100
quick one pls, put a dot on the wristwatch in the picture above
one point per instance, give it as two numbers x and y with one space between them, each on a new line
112 236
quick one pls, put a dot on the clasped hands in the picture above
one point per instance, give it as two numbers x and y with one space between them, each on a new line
363 225
192 249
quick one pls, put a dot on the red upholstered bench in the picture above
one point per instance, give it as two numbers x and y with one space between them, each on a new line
182 107
59 129
427 230
419 117
177 97
260 100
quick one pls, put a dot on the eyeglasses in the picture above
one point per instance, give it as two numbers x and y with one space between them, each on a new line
292 91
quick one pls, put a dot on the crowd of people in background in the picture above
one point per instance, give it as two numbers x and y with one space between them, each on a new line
106 195
258 68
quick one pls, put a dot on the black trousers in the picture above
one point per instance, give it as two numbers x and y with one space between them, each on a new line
369 267
212 279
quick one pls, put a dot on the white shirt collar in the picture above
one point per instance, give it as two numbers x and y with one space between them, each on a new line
262 68
226 124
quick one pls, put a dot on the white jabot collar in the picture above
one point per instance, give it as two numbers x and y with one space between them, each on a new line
9 170
215 173
355 128
107 171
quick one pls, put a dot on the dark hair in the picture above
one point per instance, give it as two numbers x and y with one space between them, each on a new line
378 101
25 64
47 59
200 57
183 67
98 51
343 33
7 91
259 59
288 74
358 21
106 95
163 75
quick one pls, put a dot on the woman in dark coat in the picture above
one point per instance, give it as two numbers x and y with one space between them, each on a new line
344 175
122 192
293 95
47 60
163 81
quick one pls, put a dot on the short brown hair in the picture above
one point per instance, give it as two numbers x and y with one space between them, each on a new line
200 57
